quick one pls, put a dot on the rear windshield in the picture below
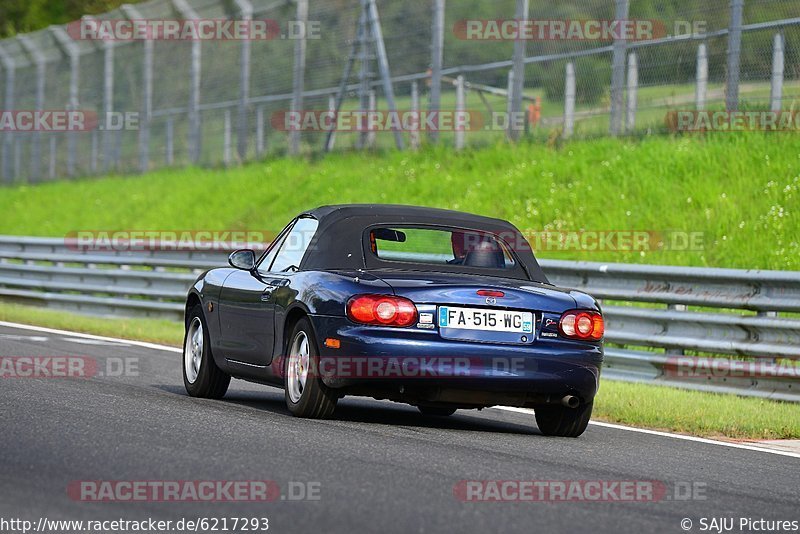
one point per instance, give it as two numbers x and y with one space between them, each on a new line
441 246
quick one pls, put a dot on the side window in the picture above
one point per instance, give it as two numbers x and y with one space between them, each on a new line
295 245
266 261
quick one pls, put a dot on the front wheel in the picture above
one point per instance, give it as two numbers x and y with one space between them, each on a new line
563 421
201 376
306 395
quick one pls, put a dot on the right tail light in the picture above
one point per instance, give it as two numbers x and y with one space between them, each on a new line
584 325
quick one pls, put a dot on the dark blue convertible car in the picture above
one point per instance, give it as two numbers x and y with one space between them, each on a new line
438 309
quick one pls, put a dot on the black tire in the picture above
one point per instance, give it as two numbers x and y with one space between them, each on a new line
316 400
563 421
211 382
438 411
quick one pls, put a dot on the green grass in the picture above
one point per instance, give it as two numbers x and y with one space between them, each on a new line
739 192
698 413
641 405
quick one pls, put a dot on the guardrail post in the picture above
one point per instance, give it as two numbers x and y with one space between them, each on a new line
246 13
518 79
38 60
569 101
299 74
437 51
9 68
776 85
195 67
618 73
460 110
633 85
413 135
701 81
71 50
734 53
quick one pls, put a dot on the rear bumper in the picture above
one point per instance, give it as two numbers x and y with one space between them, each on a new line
403 364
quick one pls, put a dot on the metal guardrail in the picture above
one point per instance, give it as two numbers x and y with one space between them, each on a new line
658 318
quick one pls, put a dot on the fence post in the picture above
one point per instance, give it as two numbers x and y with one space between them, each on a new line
246 13
93 159
509 90
299 74
39 61
633 85
195 135
383 66
146 103
569 101
371 106
437 51
618 73
71 50
52 167
9 66
226 139
776 87
734 52
170 141
701 83
260 131
108 102
460 109
518 80
413 134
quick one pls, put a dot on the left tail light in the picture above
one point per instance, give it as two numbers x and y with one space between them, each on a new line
384 310
585 325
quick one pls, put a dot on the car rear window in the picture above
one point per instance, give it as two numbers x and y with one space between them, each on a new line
441 246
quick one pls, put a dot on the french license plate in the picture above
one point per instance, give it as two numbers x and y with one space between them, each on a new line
486 319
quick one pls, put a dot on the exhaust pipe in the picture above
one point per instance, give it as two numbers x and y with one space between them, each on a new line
570 401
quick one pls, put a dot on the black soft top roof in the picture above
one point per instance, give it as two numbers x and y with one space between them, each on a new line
339 240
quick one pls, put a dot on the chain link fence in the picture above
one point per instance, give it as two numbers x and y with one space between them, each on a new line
221 101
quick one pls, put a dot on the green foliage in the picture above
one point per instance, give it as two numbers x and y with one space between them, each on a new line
739 191
20 16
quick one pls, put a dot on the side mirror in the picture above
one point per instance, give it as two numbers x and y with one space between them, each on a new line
244 259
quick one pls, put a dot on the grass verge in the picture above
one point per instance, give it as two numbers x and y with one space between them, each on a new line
724 200
640 405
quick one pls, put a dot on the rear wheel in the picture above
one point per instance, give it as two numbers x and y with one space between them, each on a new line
440 411
306 395
201 376
563 421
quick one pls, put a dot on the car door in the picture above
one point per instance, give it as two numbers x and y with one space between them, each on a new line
247 301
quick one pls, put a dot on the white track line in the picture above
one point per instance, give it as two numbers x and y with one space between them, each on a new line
506 408
143 344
